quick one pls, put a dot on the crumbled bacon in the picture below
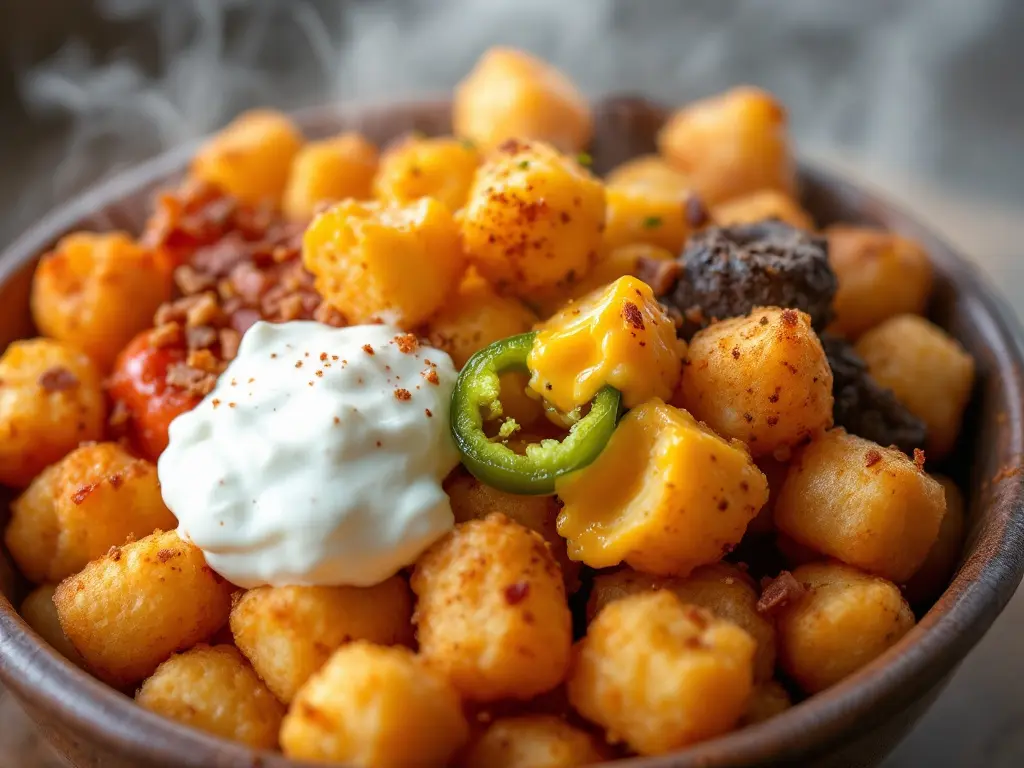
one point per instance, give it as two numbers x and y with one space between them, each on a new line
58 379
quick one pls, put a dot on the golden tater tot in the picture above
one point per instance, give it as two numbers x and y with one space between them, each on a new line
380 262
660 674
534 219
96 291
639 215
492 614
40 613
130 610
721 588
375 707
51 399
328 171
215 690
650 172
927 370
96 497
288 633
532 741
762 379
845 620
441 167
473 500
759 206
618 336
475 317
932 578
768 700
665 495
511 94
866 505
880 274
731 144
251 158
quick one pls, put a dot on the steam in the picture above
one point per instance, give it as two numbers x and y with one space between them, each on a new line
861 76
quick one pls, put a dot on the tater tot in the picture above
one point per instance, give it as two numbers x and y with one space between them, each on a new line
652 173
439 167
768 700
759 206
532 741
869 506
932 578
51 400
473 500
95 498
288 633
511 94
475 317
251 158
130 610
40 613
492 614
534 219
377 262
880 274
731 144
845 620
927 370
96 291
762 379
215 690
328 171
665 495
721 588
660 674
639 215
375 707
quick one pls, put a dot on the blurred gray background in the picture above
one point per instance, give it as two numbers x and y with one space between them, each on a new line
921 98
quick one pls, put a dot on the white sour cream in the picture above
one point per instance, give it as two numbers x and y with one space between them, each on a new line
318 458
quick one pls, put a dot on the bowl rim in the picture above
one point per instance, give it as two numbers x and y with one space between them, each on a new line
54 688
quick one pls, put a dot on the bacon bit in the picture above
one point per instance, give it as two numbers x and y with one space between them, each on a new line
403 394
407 343
165 335
201 337
193 381
516 593
114 553
790 317
431 376
165 554
204 361
368 349
428 412
58 379
919 459
323 357
763 321
779 592
298 363
631 312
735 353
872 457
82 493
215 402
116 480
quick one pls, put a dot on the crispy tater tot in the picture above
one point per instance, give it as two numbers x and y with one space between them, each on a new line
131 609
375 707
492 613
287 633
215 690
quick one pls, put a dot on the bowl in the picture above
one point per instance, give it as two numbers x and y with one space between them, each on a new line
855 723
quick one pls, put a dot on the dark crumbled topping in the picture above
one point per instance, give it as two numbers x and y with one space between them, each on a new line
516 593
727 271
631 312
780 592
863 406
58 379
403 394
872 457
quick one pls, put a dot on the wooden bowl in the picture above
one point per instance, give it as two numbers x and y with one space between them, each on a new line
852 724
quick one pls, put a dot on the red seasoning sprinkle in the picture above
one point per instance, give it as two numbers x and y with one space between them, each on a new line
427 411
431 376
516 593
407 343
368 349
403 394
323 357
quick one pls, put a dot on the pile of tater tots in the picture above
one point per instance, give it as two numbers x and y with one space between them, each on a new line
762 521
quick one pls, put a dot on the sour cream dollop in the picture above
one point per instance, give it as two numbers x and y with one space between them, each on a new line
318 457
